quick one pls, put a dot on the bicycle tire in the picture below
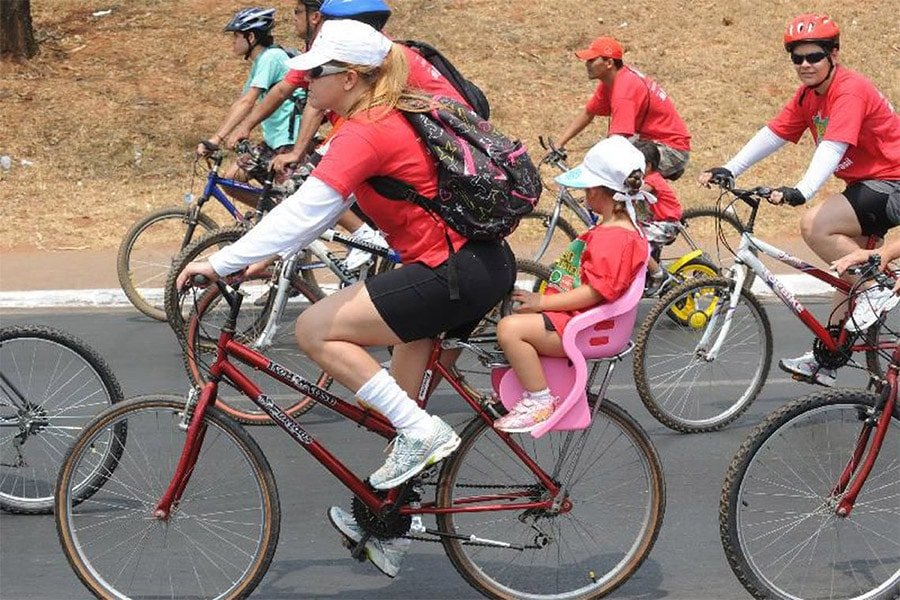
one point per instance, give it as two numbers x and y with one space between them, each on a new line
711 247
529 224
283 350
483 463
176 311
190 544
64 382
709 409
887 327
765 477
155 268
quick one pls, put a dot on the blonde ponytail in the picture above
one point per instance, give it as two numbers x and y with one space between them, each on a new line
388 85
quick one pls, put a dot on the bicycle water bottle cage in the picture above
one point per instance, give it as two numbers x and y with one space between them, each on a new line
599 333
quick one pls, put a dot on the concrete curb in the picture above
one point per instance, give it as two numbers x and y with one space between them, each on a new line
799 285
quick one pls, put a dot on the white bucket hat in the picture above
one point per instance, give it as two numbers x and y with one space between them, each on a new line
609 163
346 41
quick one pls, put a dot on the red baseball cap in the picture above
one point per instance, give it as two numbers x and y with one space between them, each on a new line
605 46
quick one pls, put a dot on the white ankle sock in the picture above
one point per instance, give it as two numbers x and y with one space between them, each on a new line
383 394
543 396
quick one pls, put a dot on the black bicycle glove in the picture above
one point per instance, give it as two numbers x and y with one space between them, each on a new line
721 176
792 196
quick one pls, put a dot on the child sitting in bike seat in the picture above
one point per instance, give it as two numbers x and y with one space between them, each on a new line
598 267
251 30
664 214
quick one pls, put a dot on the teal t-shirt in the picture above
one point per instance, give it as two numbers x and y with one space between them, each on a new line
268 69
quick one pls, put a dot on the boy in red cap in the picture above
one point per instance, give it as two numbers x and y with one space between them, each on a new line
637 106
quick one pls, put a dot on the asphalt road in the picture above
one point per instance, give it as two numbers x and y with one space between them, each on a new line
687 561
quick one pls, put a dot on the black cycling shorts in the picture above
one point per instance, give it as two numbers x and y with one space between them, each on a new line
414 299
876 204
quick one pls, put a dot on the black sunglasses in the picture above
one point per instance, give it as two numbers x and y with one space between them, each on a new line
325 71
811 58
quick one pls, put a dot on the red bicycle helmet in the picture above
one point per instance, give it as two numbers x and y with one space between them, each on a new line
814 28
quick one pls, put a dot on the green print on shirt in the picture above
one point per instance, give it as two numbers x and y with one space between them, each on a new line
821 124
565 274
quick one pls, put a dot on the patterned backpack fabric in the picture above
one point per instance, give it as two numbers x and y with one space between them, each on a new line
486 181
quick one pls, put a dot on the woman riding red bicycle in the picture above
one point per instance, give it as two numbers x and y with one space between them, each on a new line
358 73
857 135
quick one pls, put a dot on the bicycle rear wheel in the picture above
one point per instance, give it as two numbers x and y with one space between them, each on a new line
587 548
777 516
676 382
51 385
146 254
218 540
206 321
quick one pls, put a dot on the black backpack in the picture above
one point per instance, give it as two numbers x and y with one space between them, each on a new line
486 181
471 92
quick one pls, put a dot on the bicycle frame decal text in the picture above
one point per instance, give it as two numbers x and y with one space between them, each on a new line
285 421
303 385
783 293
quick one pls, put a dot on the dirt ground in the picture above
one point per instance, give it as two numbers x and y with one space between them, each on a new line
101 124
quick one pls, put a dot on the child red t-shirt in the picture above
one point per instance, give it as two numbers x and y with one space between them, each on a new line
638 105
667 207
605 258
382 142
853 111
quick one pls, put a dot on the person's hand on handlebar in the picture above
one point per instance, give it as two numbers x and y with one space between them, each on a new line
207 147
281 162
786 195
857 257
716 176
241 132
198 267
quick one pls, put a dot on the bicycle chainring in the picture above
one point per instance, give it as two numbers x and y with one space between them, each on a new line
829 359
387 525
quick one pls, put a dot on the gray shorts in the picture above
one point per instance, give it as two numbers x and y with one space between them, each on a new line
893 202
876 204
672 162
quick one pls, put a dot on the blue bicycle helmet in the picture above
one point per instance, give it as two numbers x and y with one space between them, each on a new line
372 12
252 19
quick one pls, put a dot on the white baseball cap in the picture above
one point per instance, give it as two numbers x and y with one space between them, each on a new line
607 164
347 41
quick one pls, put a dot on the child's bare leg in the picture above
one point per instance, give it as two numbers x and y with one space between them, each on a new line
524 339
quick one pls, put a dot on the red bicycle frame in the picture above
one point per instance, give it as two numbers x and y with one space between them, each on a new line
222 367
887 402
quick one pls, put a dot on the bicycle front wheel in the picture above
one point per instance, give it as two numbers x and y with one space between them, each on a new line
777 516
603 531
534 240
176 303
51 385
280 345
682 385
146 254
218 540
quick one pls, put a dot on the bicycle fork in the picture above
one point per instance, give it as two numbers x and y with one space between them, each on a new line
193 442
703 349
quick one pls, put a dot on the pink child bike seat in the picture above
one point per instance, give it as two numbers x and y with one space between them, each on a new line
600 332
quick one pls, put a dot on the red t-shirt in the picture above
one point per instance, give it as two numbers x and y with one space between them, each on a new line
637 105
851 110
384 143
667 207
610 258
422 75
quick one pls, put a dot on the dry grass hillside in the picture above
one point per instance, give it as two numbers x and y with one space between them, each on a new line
109 111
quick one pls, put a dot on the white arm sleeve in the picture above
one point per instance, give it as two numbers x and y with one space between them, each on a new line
761 145
293 224
825 160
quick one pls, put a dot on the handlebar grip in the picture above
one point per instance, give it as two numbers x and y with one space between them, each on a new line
200 280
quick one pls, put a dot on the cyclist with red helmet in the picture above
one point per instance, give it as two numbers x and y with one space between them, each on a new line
857 135
637 107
